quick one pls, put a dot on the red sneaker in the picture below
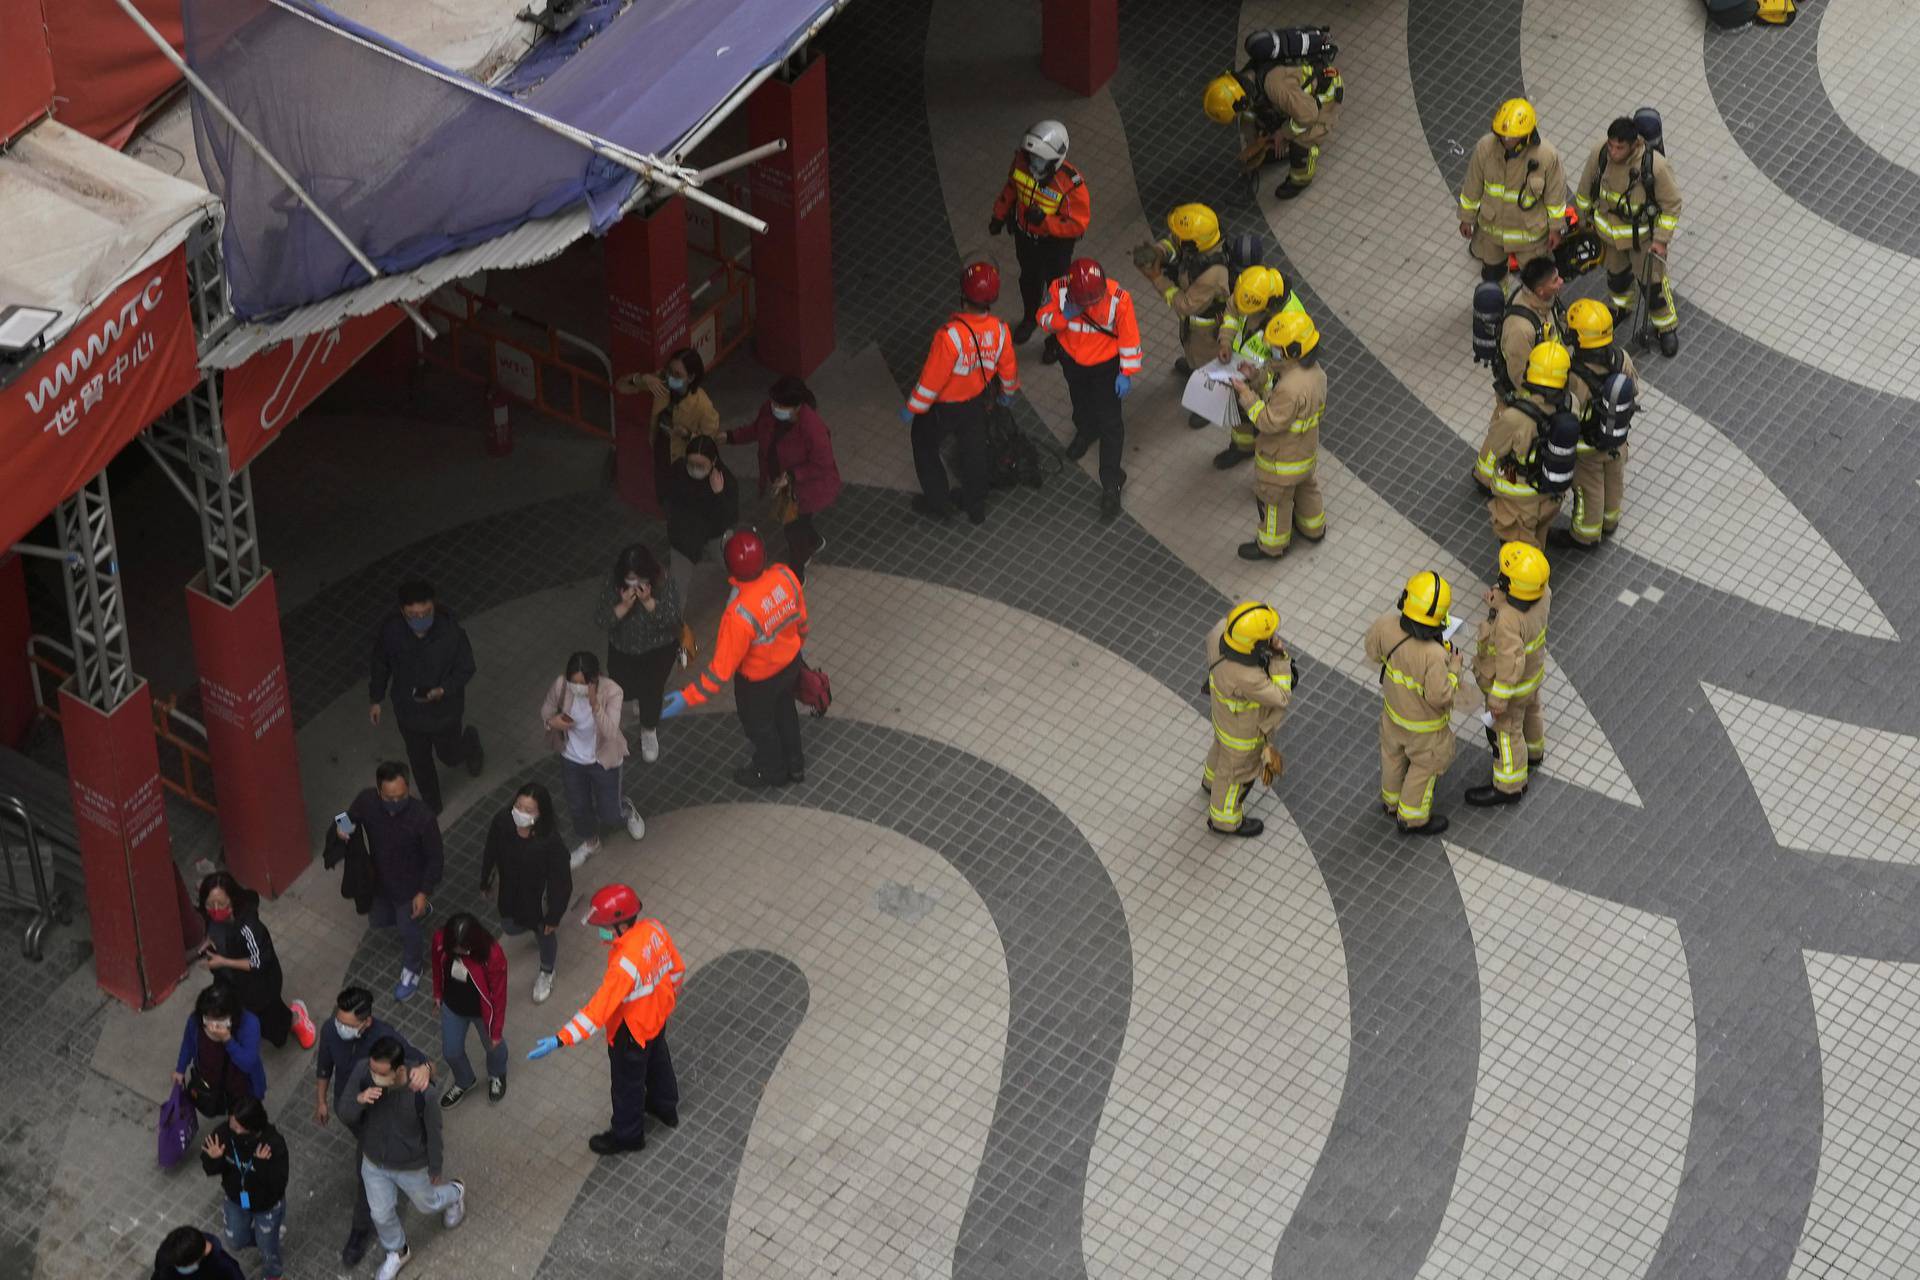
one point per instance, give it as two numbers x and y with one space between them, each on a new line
303 1029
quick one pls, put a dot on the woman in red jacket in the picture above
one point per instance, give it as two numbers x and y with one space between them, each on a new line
470 986
796 465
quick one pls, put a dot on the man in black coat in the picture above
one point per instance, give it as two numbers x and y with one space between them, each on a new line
422 651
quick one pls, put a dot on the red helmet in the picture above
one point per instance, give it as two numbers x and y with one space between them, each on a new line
980 283
1086 282
614 904
746 555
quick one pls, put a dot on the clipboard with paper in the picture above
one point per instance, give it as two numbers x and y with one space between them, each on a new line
1209 393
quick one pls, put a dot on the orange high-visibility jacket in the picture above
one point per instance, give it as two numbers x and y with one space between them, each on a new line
1063 198
643 980
761 629
967 354
1098 332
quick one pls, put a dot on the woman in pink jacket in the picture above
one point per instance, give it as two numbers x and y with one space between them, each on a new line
582 716
470 986
796 465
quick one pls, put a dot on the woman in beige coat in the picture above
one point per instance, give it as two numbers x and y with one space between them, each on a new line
582 717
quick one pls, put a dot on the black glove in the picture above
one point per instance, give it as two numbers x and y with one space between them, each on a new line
995 227
1293 674
1034 216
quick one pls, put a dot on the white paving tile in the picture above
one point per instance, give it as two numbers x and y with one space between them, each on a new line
1827 786
1868 51
1585 1089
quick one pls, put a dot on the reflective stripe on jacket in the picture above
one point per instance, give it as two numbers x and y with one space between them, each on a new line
1515 199
1511 657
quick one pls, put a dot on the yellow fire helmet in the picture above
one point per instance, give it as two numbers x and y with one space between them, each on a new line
1223 98
1525 568
1515 119
1547 366
1256 287
1426 599
1591 322
1196 224
1291 334
1249 624
1779 13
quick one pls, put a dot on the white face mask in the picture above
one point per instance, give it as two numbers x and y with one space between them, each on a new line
346 1032
522 819
699 470
578 692
782 414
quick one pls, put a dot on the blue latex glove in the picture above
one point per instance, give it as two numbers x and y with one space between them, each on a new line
1070 309
672 705
1122 385
1004 399
546 1046
906 416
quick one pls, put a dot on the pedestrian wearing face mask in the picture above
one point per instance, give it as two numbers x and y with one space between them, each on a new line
249 1156
528 860
400 1151
641 986
239 952
470 986
424 655
582 717
189 1251
796 465
344 1043
219 1059
703 507
403 839
639 609
682 410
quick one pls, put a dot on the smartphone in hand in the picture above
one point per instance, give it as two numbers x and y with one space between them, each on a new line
343 824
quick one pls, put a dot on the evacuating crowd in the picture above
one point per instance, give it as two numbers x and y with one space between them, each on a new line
1564 395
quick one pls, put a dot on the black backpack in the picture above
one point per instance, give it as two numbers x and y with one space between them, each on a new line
1245 250
1492 308
1012 456
1612 400
1556 446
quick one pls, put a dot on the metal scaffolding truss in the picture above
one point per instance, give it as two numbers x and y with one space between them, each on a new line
191 439
103 665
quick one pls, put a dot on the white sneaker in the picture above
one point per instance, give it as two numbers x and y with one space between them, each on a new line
391 1267
457 1211
542 987
649 745
636 825
582 851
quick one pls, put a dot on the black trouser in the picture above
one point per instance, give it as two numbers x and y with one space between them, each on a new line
1043 259
642 678
641 1077
803 540
967 420
1096 414
772 723
422 745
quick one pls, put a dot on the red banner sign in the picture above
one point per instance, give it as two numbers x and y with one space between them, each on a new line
271 387
26 67
86 397
109 74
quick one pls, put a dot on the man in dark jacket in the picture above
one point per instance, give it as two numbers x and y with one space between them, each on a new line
191 1252
345 1040
249 1157
399 1149
424 654
403 839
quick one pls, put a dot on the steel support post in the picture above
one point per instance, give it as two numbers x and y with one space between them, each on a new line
102 663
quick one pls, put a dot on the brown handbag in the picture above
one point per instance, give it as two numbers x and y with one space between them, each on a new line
688 645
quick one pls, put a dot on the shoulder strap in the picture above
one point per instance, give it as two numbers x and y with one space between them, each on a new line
1389 658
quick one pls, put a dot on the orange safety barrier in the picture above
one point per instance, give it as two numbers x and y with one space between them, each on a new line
186 769
528 361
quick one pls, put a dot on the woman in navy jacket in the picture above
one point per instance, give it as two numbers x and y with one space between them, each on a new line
220 1053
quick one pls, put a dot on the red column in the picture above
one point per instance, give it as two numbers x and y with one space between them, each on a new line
1080 43
648 302
16 680
256 766
140 930
793 261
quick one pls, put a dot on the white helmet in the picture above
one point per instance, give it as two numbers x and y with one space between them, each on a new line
1046 142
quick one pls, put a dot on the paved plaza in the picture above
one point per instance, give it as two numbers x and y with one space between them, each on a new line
982 997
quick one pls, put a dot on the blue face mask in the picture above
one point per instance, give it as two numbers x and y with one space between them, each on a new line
608 935
393 806
782 414
676 385
420 625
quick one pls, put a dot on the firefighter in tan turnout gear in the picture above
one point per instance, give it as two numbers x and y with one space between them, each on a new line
1534 315
1419 673
1188 269
1287 446
1508 664
1522 506
1250 681
1629 193
1286 101
1514 199
1260 294
1603 395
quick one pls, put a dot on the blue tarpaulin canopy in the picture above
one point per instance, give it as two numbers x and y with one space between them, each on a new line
415 161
